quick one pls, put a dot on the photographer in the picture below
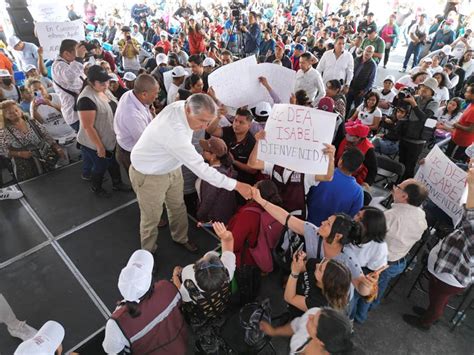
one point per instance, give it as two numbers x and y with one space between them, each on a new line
252 35
423 106
129 49
387 142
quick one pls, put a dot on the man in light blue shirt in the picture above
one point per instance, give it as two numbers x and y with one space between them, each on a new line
26 52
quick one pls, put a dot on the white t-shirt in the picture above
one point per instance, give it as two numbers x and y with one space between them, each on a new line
172 92
372 255
441 94
406 81
446 118
387 97
367 117
10 94
227 258
300 333
54 122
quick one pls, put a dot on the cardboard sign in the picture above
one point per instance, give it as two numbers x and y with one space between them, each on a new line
295 137
51 34
236 84
444 181
48 11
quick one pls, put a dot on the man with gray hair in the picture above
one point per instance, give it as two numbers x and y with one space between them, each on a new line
155 173
365 70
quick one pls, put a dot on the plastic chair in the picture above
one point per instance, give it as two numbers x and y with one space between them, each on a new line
388 170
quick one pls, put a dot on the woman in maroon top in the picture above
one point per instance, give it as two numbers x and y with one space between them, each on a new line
389 33
245 224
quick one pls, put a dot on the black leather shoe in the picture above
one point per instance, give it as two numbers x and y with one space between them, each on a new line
190 246
415 322
418 310
122 187
100 192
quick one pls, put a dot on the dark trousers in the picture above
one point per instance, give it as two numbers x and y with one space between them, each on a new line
408 156
414 49
100 166
387 54
191 202
86 162
456 152
439 294
352 97
123 157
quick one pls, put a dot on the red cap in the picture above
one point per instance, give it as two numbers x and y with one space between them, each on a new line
326 104
357 129
280 44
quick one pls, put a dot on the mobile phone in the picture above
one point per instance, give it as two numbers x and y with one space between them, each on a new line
38 97
205 225
109 154
380 270
129 38
300 248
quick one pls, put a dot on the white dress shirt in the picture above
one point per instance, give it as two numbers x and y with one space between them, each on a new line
131 119
332 68
166 145
70 77
311 82
172 92
405 226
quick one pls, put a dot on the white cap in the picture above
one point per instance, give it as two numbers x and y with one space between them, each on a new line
29 67
135 278
178 72
263 109
209 62
4 73
446 49
13 41
428 60
114 77
390 77
164 34
129 76
45 342
161 59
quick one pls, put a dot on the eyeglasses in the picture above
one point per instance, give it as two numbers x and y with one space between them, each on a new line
398 188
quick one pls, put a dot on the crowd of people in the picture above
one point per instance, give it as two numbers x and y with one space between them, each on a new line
135 96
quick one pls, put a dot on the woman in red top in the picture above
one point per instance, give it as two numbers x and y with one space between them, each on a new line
389 33
463 134
245 224
196 39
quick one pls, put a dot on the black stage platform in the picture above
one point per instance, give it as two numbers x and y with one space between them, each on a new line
61 251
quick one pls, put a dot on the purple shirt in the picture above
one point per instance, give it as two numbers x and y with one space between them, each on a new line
131 119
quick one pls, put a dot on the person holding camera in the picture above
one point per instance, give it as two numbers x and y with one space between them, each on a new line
387 142
252 35
96 106
129 49
423 106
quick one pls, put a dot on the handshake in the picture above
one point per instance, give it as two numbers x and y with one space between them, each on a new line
248 192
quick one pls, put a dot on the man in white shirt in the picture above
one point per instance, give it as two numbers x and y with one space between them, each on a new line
418 34
133 115
337 64
155 173
26 52
406 222
309 79
178 74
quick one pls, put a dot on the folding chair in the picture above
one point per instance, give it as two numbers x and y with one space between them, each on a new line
388 170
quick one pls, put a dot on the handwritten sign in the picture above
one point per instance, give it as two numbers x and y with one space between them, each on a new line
295 136
48 11
51 34
237 84
445 182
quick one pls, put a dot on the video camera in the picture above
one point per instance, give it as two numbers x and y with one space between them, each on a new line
236 10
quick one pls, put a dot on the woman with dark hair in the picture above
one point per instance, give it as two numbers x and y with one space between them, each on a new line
132 328
300 98
146 31
371 251
411 81
333 90
196 39
318 331
368 112
327 241
193 84
245 224
442 92
447 116
215 204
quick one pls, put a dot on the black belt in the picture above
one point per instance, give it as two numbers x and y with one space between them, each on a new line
399 261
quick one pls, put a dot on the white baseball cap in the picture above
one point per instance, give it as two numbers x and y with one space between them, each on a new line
164 34
161 58
178 72
45 342
29 67
13 41
209 62
446 49
263 109
135 278
114 77
129 76
391 78
4 73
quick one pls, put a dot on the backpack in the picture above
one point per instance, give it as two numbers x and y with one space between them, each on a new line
268 236
288 244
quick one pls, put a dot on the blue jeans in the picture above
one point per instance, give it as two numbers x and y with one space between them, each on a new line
393 271
385 146
359 308
86 162
100 166
414 49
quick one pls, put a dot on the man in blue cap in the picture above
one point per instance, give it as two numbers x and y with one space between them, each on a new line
295 58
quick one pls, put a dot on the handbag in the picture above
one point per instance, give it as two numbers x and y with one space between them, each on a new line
287 246
248 279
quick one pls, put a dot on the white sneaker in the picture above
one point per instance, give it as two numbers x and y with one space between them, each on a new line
23 331
10 193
